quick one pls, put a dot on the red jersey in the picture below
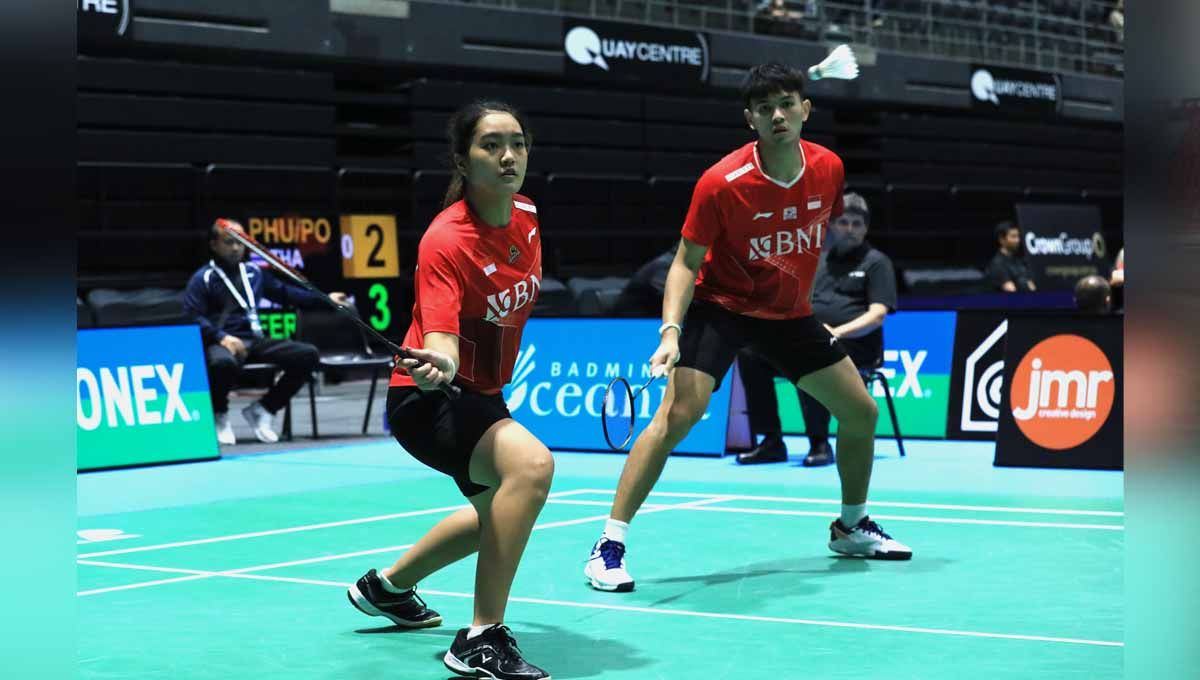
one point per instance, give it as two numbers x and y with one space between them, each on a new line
763 236
478 282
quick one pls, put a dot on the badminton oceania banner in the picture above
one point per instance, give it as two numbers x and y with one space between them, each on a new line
142 397
564 366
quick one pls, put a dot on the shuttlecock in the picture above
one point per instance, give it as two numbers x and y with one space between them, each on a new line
840 64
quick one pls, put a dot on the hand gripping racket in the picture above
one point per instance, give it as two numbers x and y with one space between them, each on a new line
620 411
226 227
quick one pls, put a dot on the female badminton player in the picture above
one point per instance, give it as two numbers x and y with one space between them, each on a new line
479 268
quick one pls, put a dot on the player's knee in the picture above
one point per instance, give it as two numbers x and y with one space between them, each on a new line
861 416
683 415
537 472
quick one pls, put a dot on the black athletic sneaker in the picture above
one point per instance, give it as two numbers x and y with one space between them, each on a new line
405 609
491 654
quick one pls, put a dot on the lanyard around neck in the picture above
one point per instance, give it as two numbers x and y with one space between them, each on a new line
247 303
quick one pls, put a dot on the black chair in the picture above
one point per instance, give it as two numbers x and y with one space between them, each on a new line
871 374
343 346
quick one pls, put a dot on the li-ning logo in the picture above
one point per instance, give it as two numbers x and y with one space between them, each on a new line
1067 387
122 396
511 299
763 215
785 243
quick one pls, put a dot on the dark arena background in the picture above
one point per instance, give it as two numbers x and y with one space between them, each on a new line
320 126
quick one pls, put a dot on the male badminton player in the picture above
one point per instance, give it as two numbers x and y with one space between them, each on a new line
743 274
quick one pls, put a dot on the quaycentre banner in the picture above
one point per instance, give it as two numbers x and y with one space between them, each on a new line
564 365
918 347
1062 405
609 52
142 397
1013 91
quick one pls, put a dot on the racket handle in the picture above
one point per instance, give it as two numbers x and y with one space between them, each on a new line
451 391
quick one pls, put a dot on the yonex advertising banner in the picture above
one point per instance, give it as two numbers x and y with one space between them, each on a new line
918 347
1062 403
142 397
562 370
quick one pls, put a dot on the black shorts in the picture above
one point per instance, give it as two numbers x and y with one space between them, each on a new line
442 432
713 335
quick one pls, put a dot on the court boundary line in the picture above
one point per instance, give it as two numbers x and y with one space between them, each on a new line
898 518
293 529
873 503
195 574
556 498
329 558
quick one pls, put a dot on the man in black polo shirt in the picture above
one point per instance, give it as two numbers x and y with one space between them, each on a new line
1008 271
854 289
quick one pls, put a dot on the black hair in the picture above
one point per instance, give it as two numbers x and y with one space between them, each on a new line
767 79
461 129
1003 228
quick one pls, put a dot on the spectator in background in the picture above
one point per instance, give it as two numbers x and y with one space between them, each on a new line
222 296
1093 295
1008 271
853 290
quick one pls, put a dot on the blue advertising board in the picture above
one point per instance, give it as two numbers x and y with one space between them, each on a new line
142 397
563 367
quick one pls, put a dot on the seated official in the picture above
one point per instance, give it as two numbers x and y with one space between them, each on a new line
222 296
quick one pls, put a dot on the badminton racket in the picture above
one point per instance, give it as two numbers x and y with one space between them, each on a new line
227 227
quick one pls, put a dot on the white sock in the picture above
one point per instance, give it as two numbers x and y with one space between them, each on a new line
853 514
476 631
387 584
615 530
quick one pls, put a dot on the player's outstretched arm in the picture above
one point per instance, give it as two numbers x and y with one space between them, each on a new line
681 282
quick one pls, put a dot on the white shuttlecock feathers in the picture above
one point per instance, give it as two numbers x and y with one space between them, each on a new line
840 65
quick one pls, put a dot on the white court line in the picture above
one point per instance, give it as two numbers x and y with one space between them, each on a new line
650 610
326 558
898 518
306 527
915 518
881 504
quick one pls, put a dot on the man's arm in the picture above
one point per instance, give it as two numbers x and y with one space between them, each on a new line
681 283
862 324
195 305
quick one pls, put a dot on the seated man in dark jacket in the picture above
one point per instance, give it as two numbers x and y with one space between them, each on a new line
222 296
1008 271
853 290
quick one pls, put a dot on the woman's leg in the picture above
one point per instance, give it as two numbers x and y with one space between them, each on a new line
447 542
518 469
